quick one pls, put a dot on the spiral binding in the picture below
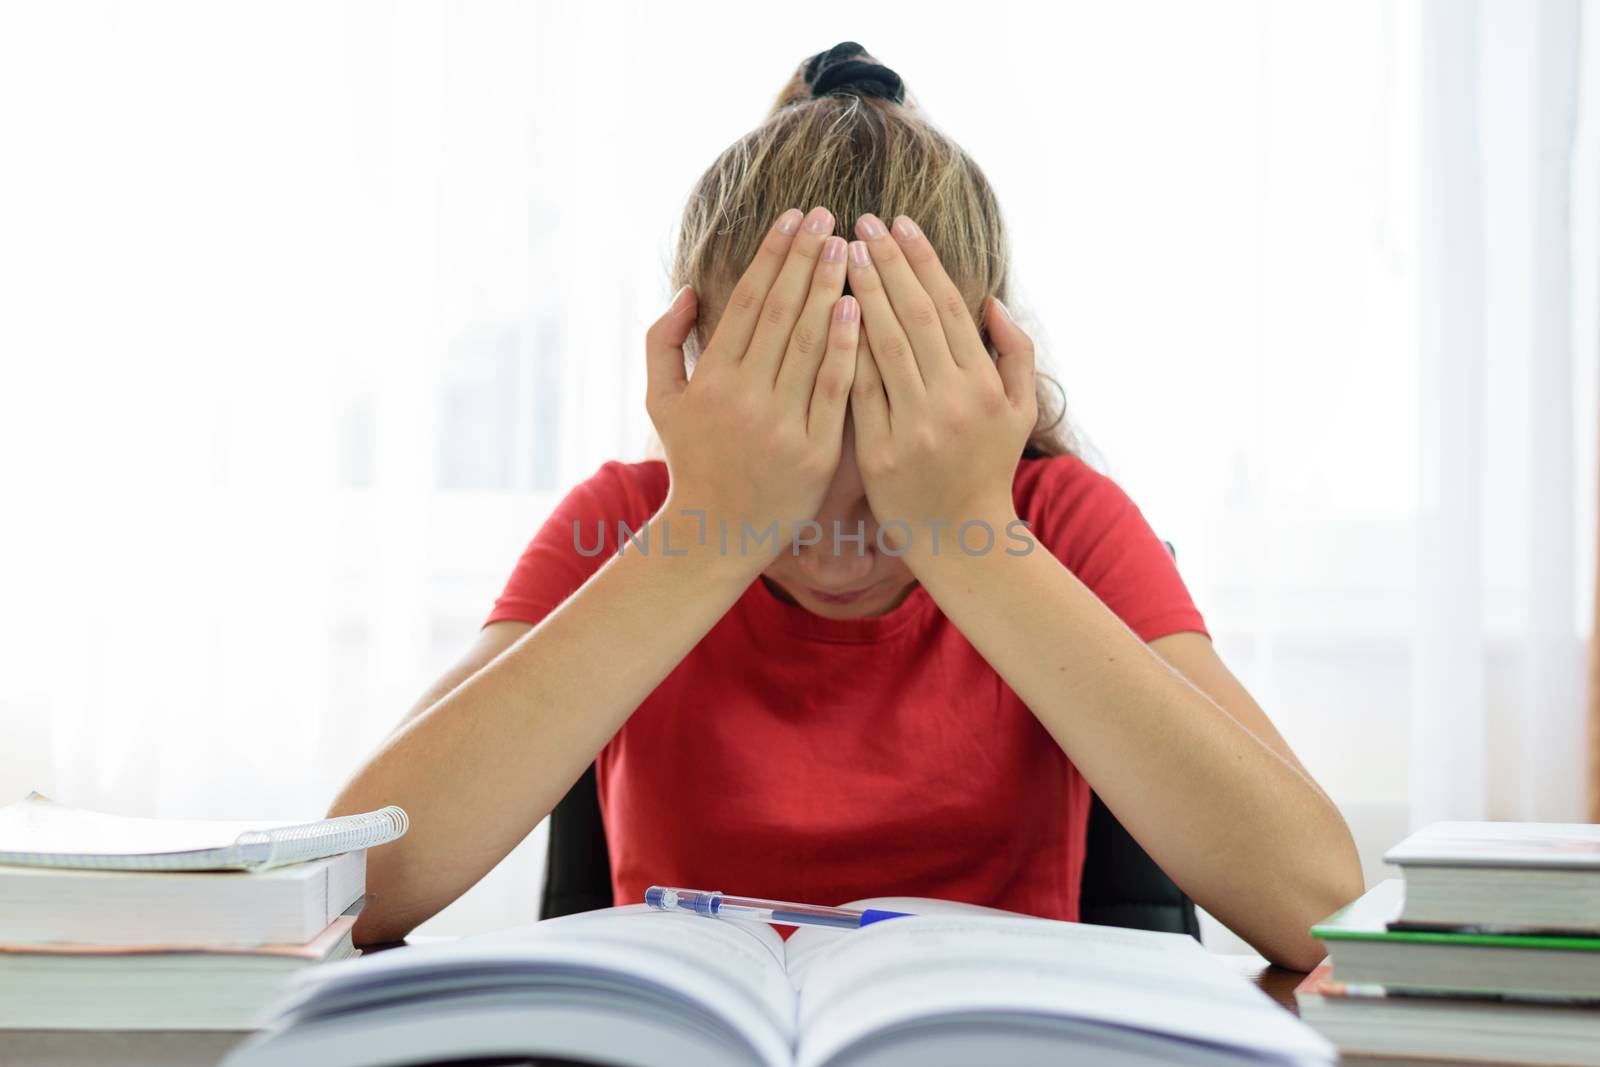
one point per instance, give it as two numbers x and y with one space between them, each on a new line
262 849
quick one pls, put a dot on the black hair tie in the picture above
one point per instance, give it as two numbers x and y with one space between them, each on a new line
838 70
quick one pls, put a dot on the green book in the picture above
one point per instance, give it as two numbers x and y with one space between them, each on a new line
1365 951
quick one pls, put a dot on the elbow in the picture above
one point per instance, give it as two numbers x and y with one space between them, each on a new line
397 901
1300 961
1293 946
374 926
383 919
392 910
1298 953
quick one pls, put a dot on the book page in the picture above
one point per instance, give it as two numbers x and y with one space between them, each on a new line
808 942
733 962
901 970
733 971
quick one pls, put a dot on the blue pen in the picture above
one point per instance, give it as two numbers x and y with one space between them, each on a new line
715 905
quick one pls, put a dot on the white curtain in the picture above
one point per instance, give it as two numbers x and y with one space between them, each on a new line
1507 415
312 310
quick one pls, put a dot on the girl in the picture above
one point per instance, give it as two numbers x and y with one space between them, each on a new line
833 662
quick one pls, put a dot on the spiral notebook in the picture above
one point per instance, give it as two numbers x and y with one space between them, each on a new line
38 832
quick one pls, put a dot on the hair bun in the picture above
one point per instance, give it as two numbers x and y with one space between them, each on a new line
840 70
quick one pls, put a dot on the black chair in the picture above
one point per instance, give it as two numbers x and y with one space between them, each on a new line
1122 886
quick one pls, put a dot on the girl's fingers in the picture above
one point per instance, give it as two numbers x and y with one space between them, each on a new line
918 314
786 299
808 342
960 331
1015 362
869 407
665 372
831 394
739 319
891 350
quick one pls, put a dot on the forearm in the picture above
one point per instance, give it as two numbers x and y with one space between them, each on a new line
1243 832
478 769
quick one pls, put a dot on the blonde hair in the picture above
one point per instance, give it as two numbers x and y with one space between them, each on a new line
853 154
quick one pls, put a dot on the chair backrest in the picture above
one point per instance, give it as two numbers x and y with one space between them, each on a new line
577 866
1122 885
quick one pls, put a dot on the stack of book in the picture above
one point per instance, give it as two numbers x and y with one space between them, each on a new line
1489 950
116 923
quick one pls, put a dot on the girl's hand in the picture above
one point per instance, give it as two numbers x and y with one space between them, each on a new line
939 425
754 436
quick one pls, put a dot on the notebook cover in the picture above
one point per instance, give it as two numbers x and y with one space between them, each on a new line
1501 844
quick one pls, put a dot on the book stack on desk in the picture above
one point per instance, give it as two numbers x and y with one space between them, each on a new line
1488 950
116 923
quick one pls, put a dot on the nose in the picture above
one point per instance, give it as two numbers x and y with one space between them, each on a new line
836 564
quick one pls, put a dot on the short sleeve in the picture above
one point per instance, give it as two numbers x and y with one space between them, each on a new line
579 537
1095 529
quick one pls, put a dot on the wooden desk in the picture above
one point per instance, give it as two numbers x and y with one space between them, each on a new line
1274 981
205 1048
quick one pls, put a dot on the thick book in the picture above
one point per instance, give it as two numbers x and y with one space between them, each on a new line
157 986
44 905
1364 950
1510 877
1368 1020
39 832
635 987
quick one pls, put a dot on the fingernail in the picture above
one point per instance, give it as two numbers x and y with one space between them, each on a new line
789 222
819 221
833 249
872 227
1003 310
678 300
845 309
906 229
859 253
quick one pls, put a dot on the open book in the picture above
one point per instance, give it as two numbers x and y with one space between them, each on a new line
952 985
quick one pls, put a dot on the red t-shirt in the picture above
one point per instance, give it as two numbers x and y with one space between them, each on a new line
825 760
